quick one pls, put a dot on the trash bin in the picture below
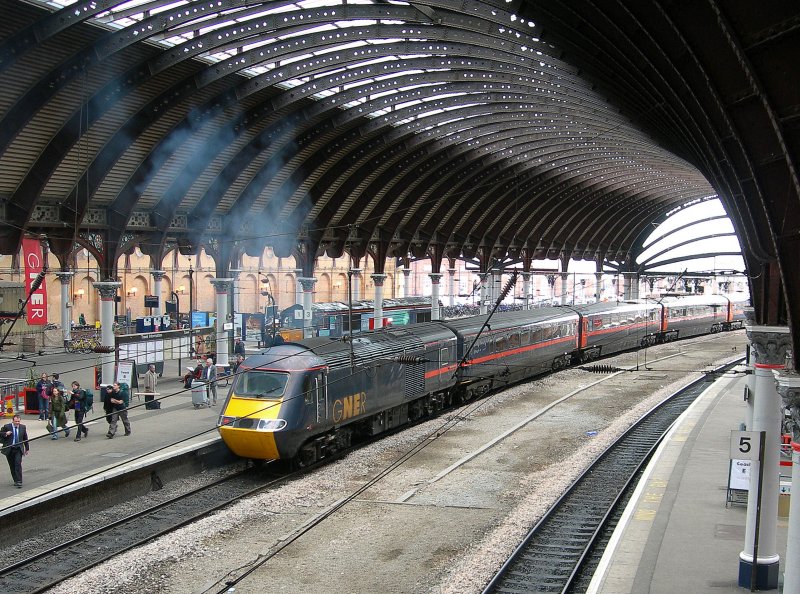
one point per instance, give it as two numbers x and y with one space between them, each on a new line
199 394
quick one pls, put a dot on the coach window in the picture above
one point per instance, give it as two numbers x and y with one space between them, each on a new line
309 389
444 356
513 341
525 337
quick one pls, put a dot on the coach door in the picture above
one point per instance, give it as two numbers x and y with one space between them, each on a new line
320 385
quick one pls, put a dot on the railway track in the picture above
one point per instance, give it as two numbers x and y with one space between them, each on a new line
49 567
570 537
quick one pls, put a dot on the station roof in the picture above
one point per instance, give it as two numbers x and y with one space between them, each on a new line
479 129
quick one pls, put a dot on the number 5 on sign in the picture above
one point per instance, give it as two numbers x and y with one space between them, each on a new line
745 445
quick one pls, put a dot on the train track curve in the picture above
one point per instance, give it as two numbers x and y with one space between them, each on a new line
554 554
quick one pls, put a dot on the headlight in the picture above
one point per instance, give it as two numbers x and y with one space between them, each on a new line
271 424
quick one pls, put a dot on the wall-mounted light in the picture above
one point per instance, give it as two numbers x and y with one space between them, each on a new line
132 292
181 289
79 294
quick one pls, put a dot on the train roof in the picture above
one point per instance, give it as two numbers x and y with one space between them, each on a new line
365 347
510 319
622 306
368 304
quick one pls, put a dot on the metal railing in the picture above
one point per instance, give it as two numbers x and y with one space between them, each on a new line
10 389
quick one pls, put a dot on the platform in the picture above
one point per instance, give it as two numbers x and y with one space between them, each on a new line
677 535
56 467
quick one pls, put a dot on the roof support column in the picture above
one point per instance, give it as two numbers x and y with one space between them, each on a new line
771 344
378 280
789 390
598 286
451 284
355 280
406 281
526 289
484 277
108 294
435 278
308 301
65 277
222 288
564 287
158 276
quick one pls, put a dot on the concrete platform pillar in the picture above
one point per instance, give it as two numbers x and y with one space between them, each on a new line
526 289
378 280
770 343
789 390
308 300
222 288
108 294
65 278
435 278
158 276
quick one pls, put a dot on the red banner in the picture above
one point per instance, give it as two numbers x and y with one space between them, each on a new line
37 305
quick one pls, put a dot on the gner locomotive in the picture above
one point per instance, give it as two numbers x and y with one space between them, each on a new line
302 401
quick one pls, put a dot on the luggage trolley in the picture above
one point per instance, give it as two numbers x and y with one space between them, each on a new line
200 394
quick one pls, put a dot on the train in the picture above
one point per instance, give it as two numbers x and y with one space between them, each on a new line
334 318
306 400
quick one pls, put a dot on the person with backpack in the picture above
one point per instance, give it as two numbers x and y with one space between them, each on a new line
117 397
78 403
43 387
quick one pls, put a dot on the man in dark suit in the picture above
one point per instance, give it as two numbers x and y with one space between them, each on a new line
15 445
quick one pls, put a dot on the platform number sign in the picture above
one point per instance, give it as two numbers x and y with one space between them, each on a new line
745 445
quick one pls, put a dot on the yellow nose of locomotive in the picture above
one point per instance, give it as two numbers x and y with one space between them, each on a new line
248 427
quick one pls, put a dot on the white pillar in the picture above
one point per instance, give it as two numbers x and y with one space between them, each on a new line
770 344
355 283
451 284
378 279
158 276
222 288
406 282
789 390
298 287
308 300
526 288
435 278
65 277
484 278
564 289
108 293
598 285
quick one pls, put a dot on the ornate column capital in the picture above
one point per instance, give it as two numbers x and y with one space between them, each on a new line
158 274
452 271
107 289
221 284
407 272
483 276
788 383
65 276
526 275
377 279
771 344
435 277
355 271
307 283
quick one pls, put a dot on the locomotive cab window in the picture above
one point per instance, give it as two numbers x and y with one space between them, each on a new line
269 385
444 357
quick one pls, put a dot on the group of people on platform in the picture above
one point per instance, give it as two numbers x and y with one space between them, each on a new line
55 401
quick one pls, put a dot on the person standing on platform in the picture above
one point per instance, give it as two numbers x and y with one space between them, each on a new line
210 378
81 320
43 387
118 397
77 402
15 446
238 348
58 417
150 384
